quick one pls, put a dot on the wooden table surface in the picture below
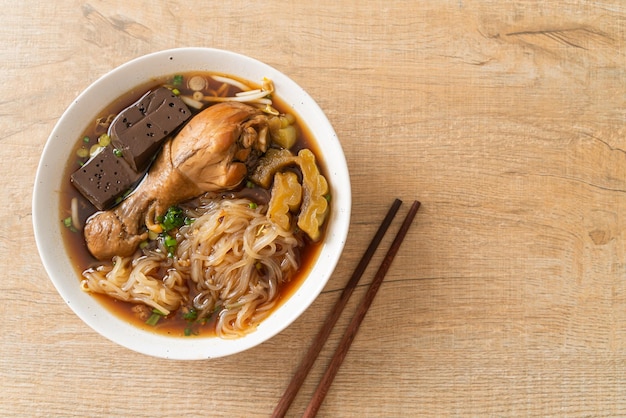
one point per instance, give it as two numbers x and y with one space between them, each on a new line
507 120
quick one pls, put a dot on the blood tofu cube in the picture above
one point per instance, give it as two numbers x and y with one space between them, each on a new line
105 178
139 130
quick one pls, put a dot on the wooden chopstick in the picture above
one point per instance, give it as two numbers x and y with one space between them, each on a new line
348 337
319 341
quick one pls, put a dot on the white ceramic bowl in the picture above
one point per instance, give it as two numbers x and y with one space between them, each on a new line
85 108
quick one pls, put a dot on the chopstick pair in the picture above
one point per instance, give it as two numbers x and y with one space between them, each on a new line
341 351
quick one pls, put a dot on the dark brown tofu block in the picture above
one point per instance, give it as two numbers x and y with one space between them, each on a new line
139 130
105 178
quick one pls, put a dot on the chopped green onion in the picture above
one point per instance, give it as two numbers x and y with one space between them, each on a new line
95 148
252 205
153 320
169 240
176 92
104 140
170 243
67 222
155 317
250 184
122 197
327 197
117 152
173 218
82 152
86 139
177 80
191 315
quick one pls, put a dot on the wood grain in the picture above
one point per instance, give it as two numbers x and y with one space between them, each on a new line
505 119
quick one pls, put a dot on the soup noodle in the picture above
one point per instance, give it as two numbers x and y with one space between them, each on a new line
227 270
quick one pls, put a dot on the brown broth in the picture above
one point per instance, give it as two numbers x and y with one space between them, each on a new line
174 324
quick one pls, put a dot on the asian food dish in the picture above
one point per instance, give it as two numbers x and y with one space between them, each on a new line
195 204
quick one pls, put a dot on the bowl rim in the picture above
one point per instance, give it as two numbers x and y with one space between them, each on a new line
105 89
